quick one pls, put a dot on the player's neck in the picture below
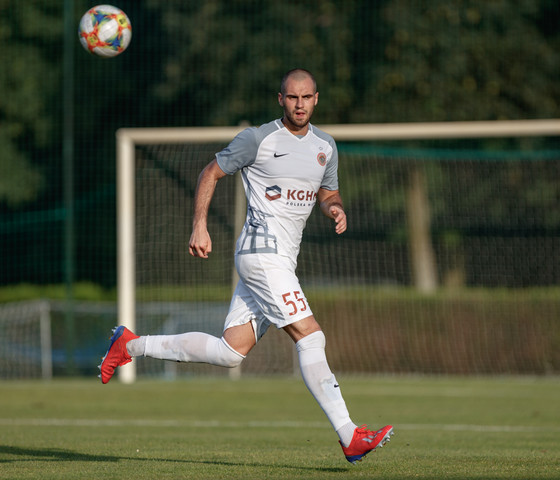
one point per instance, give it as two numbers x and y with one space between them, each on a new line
295 129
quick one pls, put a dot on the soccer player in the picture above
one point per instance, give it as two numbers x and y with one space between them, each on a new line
287 166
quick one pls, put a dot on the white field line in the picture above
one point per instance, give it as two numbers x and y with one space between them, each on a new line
148 423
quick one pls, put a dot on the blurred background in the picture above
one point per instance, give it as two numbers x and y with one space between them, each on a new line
494 204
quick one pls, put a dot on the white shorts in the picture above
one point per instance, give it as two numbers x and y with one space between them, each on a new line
268 293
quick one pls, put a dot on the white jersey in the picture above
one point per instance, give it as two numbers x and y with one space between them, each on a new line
282 174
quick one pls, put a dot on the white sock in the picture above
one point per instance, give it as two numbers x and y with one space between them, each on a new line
136 346
323 385
346 433
195 347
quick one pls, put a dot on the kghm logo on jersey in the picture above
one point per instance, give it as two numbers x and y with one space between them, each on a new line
322 159
294 198
301 195
273 193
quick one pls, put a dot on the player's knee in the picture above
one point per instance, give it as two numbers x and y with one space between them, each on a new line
230 358
233 361
313 340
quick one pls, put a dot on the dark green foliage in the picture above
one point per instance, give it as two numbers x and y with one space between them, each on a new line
219 62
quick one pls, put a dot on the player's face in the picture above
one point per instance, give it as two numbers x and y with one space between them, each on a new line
298 101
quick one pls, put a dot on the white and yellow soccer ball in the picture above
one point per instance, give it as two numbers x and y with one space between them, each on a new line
105 31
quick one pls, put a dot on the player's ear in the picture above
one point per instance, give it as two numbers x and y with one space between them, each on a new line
316 98
280 99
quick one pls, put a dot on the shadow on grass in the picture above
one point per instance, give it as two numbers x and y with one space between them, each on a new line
21 454
50 454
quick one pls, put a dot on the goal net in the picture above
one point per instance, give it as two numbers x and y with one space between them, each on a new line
450 263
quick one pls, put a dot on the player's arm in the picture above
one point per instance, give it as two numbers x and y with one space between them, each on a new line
330 203
200 244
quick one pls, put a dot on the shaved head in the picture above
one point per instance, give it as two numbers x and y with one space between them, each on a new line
297 74
298 97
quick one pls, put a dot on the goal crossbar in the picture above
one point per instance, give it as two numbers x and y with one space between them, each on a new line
357 132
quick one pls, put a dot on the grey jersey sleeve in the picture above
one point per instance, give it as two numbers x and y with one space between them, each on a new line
330 179
241 152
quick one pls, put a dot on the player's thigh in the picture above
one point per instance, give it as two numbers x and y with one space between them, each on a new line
246 313
275 288
241 338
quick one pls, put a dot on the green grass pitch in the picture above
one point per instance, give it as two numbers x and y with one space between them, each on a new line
271 428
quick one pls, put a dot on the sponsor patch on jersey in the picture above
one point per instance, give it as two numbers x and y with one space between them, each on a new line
273 193
322 159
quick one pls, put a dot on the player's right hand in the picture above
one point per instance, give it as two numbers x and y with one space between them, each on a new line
200 244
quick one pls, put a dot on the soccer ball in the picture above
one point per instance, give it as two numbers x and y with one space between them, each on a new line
105 31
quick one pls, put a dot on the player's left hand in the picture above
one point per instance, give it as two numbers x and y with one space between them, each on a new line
339 216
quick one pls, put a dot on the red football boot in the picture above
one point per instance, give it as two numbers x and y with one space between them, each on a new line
365 441
117 354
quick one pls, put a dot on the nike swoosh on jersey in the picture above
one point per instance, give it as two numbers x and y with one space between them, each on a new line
276 155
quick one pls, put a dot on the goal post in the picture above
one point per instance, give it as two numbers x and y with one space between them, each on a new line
128 139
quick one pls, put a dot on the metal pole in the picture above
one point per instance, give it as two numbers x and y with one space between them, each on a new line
46 341
126 255
68 177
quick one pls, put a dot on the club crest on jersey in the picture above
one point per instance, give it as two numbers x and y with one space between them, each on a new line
322 159
273 193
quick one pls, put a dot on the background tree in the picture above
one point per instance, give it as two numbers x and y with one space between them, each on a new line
28 79
462 60
468 60
219 62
